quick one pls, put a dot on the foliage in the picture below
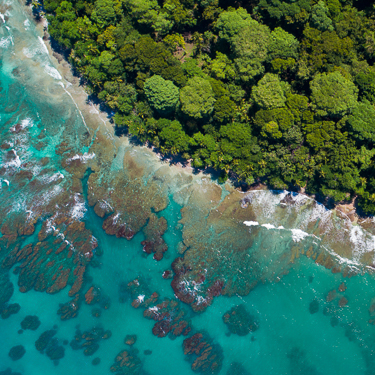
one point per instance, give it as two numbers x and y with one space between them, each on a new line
269 92
320 17
162 94
333 94
362 122
282 45
197 98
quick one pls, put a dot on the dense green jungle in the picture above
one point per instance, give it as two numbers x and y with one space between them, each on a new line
278 92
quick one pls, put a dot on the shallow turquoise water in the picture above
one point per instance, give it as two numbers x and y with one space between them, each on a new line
290 338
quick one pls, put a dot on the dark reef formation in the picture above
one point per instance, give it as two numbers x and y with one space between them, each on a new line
88 341
8 371
140 293
70 309
49 345
96 361
299 363
31 322
17 352
314 306
127 362
130 339
154 242
8 310
170 319
205 357
236 368
240 321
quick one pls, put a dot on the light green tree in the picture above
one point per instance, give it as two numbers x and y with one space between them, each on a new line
362 121
106 12
197 98
333 94
320 18
250 47
231 22
282 45
270 92
161 94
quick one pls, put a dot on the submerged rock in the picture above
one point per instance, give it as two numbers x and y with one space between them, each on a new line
9 310
127 362
88 341
92 296
17 352
236 368
205 357
55 351
31 322
240 321
8 371
95 361
299 363
171 319
96 313
314 306
49 345
70 309
44 339
130 339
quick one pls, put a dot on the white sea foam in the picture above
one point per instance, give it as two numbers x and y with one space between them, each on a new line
83 119
200 300
44 47
115 219
48 179
2 17
268 226
16 162
250 223
363 242
298 235
5 42
79 209
29 53
5 182
25 123
83 158
26 23
53 72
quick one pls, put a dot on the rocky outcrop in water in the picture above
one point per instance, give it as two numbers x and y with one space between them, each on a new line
239 321
31 322
7 310
170 319
88 341
50 345
205 357
127 362
17 352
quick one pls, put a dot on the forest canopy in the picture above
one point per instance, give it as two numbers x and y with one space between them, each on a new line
280 92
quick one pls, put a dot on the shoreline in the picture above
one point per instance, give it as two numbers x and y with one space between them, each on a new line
92 114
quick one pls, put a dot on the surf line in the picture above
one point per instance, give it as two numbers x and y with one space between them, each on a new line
83 119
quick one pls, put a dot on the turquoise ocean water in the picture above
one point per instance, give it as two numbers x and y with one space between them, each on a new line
311 317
